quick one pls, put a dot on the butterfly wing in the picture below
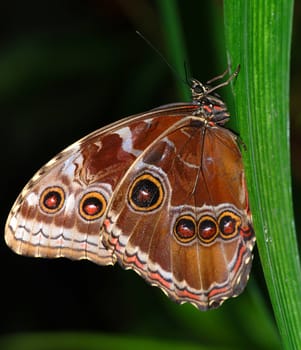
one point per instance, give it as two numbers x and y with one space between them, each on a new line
159 192
60 212
180 218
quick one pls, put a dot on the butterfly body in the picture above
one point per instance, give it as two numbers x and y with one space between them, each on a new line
161 192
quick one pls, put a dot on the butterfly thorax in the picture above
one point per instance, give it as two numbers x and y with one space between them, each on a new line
212 109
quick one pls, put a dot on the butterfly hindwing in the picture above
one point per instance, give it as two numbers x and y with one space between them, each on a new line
167 222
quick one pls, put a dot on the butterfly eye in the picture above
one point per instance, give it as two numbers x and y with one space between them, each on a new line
185 228
92 205
52 199
228 224
208 229
198 89
146 193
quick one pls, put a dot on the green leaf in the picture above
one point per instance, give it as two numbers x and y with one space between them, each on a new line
258 36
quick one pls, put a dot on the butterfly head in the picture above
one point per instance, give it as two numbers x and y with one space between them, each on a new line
212 107
198 90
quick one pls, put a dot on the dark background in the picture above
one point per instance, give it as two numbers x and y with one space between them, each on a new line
66 69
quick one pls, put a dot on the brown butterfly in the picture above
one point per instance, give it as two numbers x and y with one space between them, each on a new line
162 193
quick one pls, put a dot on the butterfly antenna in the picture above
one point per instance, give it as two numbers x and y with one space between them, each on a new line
162 57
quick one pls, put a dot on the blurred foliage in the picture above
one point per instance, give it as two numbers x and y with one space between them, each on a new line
68 68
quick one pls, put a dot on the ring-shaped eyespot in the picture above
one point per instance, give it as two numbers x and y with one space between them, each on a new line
52 199
207 229
92 205
146 193
229 223
185 228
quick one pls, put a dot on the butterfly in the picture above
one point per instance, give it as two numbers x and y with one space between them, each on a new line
161 192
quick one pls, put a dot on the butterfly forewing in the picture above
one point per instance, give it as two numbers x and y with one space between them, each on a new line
60 212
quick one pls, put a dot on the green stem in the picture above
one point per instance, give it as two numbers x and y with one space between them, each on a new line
258 36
